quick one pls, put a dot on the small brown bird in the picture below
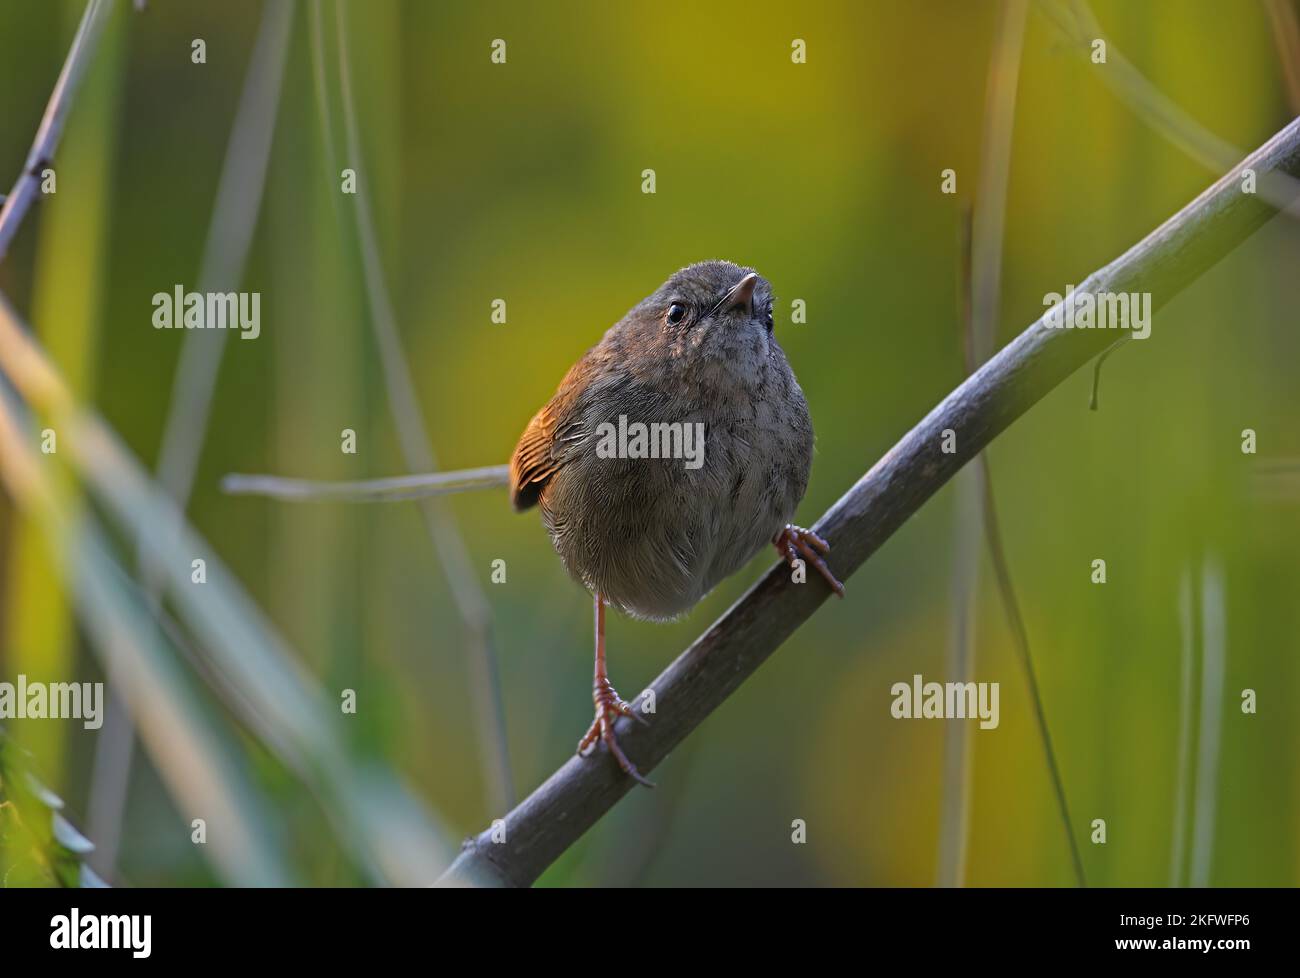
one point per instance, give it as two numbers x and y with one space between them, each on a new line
672 452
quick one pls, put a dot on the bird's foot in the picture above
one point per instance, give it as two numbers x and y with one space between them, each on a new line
795 543
609 707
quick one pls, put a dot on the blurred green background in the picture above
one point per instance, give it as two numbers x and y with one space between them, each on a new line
522 181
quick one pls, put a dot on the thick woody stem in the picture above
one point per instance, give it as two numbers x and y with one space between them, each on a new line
577 795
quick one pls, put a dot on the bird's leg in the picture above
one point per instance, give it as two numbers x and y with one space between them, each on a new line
609 706
795 543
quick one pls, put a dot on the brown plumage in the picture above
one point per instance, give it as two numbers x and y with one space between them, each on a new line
652 536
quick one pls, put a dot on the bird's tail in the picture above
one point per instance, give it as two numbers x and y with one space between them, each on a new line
390 490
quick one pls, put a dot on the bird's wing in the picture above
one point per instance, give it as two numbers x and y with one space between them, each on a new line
542 447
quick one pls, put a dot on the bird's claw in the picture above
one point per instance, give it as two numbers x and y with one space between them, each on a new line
609 707
795 543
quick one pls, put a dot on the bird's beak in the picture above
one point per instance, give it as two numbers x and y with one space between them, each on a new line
741 295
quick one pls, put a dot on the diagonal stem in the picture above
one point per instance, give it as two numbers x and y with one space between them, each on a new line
1002 571
579 793
416 446
27 187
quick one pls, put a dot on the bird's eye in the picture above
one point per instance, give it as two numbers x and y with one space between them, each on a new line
676 313
769 321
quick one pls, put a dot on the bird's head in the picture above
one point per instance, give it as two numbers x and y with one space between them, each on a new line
714 316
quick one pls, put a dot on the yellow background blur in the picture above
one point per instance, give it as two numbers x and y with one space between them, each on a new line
522 181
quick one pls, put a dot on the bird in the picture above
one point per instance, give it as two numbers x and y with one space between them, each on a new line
672 452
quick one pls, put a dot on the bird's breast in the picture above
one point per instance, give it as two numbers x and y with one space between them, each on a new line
653 518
